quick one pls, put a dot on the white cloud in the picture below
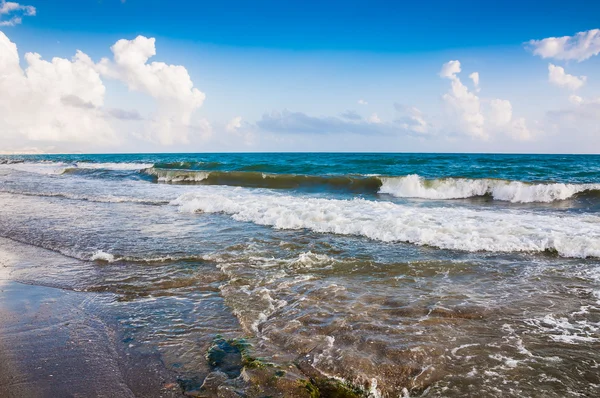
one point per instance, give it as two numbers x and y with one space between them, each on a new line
558 77
468 115
8 8
501 120
62 100
450 69
51 101
575 99
170 85
362 102
500 112
464 104
374 119
578 47
234 124
475 77
238 132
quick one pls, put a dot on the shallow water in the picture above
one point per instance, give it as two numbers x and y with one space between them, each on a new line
478 276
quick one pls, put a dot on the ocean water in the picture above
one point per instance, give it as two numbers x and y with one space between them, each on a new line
400 274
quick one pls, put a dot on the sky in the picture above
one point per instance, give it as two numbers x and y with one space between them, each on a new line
104 76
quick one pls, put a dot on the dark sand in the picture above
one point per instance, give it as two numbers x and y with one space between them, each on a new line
51 346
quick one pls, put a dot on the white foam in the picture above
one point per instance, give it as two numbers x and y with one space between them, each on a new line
47 168
564 330
310 259
414 186
102 256
101 199
571 235
50 168
178 175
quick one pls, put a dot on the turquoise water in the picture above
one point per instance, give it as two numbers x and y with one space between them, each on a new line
420 274
547 168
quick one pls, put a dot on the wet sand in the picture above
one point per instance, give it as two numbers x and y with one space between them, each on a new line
52 346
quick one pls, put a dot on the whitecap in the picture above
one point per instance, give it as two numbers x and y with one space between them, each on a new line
570 235
415 186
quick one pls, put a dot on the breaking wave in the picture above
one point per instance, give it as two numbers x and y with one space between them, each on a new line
414 186
352 183
442 227
410 186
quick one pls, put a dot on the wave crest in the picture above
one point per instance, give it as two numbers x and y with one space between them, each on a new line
410 186
350 183
443 227
414 186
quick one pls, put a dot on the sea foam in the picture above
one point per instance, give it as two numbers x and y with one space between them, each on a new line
570 235
414 186
50 168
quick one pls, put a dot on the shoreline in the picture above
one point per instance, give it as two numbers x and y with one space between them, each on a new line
57 342
52 345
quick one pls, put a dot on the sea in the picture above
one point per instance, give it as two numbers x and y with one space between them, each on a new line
434 275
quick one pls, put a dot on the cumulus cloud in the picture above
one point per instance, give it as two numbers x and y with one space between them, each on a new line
558 77
469 115
14 12
55 100
501 120
362 102
234 124
463 104
62 100
579 47
170 85
450 69
475 77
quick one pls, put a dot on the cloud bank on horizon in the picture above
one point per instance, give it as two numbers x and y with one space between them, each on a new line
60 105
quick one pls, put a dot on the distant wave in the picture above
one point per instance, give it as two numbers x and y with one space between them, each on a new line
187 165
352 183
441 227
410 186
57 168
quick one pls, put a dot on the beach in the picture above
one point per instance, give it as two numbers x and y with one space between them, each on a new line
372 275
54 343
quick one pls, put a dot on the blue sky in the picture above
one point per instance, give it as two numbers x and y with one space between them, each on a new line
280 76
